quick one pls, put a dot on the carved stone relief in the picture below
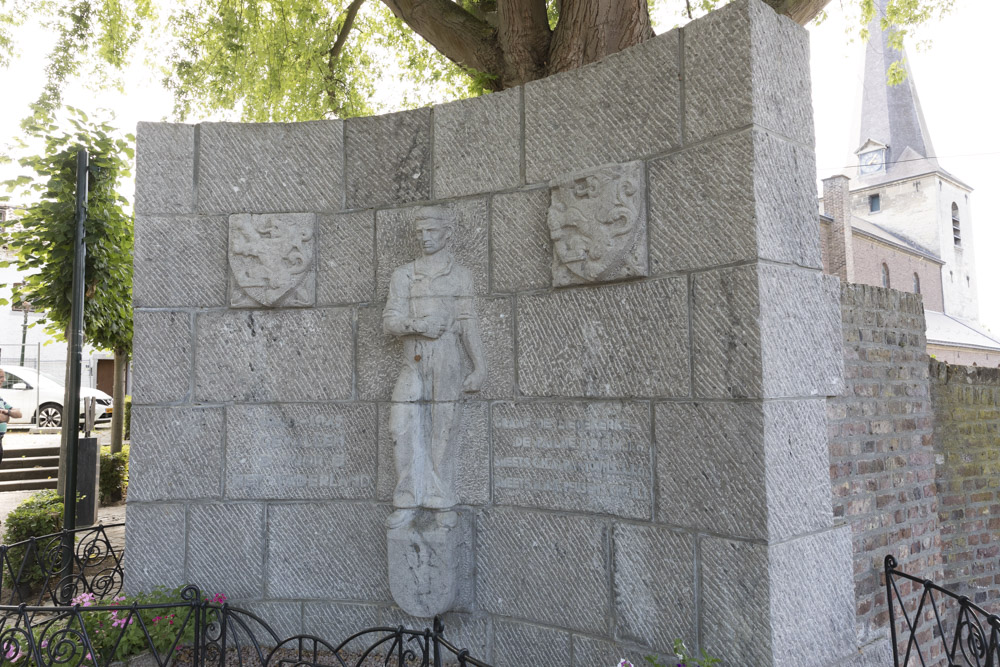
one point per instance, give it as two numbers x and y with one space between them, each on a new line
597 222
272 260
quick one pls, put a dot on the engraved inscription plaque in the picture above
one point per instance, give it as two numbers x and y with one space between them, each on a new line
271 260
592 457
597 222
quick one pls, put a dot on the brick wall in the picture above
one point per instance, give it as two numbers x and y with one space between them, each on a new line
881 454
967 444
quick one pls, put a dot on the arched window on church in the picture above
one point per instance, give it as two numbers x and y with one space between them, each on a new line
956 229
885 275
916 284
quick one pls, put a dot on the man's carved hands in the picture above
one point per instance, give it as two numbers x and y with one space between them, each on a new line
474 381
429 326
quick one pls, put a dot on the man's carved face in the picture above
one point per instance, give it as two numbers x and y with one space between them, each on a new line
432 234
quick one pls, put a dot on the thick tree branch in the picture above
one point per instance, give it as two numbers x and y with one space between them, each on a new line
524 39
454 32
588 30
338 46
800 11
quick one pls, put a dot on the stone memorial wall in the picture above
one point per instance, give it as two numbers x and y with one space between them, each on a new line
636 447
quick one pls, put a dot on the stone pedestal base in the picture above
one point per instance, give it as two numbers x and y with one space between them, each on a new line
424 560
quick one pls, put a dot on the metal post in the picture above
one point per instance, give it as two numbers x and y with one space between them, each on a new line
71 402
24 329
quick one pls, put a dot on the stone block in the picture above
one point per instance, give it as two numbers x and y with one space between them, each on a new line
295 451
156 537
710 467
797 468
597 223
180 262
161 357
523 644
336 621
472 471
735 601
396 242
380 355
746 65
591 652
628 340
388 158
271 167
579 457
333 551
465 631
654 586
800 332
285 618
346 261
430 561
226 549
272 260
597 114
177 453
280 355
519 237
725 333
546 568
164 175
477 145
812 587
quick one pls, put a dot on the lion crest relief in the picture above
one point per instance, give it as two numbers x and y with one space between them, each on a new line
271 260
597 223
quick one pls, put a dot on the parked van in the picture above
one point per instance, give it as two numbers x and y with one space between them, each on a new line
40 399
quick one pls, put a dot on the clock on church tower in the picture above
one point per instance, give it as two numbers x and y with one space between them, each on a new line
872 161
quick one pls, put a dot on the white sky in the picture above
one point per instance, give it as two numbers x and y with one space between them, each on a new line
955 79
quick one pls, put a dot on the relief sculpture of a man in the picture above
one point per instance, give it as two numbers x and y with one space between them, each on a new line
431 307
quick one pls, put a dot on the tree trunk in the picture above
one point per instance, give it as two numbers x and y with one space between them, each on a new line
589 30
118 402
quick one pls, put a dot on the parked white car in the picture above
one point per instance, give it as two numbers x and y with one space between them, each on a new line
40 399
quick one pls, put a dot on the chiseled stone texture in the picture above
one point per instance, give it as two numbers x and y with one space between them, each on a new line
552 569
654 583
519 237
388 158
811 588
725 333
590 652
396 242
281 355
710 467
800 332
336 621
298 451
345 263
155 532
628 340
270 167
744 64
477 144
226 549
161 363
522 644
180 261
333 551
272 260
734 199
600 114
472 470
285 618
583 457
380 355
164 177
735 601
180 456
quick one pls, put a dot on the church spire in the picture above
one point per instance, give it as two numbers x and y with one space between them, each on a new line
891 117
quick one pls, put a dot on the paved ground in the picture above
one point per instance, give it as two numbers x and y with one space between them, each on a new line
11 499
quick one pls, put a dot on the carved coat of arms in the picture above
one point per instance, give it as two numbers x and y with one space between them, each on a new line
597 223
271 260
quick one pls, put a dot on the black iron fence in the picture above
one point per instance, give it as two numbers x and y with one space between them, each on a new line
63 607
939 623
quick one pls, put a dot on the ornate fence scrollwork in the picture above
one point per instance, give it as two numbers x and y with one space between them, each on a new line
966 634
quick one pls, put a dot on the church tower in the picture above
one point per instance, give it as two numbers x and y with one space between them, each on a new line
898 183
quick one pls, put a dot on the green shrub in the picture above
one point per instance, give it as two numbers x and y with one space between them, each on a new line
127 419
38 515
114 475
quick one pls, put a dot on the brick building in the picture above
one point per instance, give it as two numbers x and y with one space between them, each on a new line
898 219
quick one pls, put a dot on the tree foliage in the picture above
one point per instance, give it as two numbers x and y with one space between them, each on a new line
42 236
283 60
